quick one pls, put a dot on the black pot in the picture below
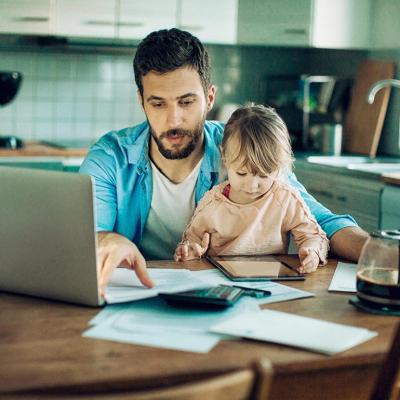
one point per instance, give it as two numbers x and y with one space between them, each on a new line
10 82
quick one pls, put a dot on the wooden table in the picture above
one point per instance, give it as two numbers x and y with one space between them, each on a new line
41 347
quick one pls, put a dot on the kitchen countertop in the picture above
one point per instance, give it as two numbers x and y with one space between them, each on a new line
392 177
38 149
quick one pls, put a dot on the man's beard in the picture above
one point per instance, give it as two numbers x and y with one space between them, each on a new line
179 154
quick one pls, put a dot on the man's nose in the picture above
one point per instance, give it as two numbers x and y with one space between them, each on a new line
174 116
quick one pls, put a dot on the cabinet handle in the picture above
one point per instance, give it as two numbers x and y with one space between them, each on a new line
130 24
294 31
100 23
191 27
341 198
32 19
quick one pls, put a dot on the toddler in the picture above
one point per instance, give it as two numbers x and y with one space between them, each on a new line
254 211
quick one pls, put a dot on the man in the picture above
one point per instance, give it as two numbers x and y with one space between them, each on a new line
150 177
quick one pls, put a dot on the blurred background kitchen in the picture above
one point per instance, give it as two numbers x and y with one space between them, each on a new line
304 57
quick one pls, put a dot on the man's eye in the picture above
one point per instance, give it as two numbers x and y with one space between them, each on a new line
157 105
187 102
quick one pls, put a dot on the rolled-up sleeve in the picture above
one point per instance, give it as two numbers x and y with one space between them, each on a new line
329 222
101 166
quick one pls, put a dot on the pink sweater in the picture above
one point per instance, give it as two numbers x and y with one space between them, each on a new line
260 227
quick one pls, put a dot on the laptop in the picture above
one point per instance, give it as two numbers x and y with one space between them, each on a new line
47 235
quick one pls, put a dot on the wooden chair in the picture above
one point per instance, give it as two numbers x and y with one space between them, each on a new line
251 383
387 378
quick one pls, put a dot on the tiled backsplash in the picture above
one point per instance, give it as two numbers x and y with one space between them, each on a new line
82 94
69 95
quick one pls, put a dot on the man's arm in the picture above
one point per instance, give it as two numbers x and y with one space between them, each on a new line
348 242
346 237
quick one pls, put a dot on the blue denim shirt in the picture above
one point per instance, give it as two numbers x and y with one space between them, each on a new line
119 164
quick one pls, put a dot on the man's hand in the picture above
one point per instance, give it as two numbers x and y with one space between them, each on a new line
115 250
189 251
309 260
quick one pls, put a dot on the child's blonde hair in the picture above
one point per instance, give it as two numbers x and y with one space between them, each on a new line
260 139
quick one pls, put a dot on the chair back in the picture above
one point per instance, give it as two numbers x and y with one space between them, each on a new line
252 383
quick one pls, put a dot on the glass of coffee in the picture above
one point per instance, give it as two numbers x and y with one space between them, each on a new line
378 271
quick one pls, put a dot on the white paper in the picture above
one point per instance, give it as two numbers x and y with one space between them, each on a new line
344 278
152 322
125 285
294 330
278 291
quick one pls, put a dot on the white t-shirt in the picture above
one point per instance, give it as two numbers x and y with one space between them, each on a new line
172 206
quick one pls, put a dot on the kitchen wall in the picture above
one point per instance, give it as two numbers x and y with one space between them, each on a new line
81 94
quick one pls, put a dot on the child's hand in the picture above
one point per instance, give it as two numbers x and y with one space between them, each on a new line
309 260
189 251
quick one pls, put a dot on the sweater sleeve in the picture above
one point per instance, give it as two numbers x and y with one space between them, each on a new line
201 221
304 228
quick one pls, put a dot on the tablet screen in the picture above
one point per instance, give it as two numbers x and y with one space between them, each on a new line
248 267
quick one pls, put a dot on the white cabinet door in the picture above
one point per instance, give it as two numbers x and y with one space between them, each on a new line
25 16
274 22
316 23
343 24
89 18
211 21
137 18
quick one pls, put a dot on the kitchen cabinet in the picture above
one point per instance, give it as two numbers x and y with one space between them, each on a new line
211 21
390 217
26 16
343 194
385 24
90 18
316 23
136 18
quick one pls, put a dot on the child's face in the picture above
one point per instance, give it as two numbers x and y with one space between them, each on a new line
246 187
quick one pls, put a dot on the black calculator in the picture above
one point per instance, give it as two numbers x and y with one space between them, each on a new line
216 297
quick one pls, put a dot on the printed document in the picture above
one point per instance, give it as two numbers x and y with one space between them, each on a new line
153 322
344 279
294 330
125 285
278 291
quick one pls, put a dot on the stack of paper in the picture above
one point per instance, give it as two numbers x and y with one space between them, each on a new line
154 323
125 285
278 327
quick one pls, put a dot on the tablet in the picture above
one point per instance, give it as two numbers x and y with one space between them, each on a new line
255 268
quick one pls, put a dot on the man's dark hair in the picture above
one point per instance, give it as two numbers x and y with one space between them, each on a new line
167 50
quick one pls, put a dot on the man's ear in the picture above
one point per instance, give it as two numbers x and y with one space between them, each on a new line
212 91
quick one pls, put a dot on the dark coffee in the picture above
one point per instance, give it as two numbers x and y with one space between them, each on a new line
379 287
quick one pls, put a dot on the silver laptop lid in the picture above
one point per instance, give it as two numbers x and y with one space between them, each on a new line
47 235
